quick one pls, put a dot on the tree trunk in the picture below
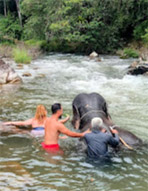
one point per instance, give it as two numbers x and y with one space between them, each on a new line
5 9
18 11
119 5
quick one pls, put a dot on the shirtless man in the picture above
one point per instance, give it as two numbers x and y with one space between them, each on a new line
53 128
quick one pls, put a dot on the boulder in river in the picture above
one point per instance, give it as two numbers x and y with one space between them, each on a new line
138 68
11 129
8 74
6 129
94 55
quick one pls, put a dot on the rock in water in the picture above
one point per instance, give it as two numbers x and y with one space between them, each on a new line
26 74
138 68
8 74
93 55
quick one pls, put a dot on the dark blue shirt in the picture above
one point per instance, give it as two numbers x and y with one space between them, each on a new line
97 143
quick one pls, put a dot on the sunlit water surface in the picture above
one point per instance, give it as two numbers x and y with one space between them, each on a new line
59 78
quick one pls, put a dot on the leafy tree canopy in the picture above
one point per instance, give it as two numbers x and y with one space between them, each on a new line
80 25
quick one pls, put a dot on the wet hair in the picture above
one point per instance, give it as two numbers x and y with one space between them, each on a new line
55 107
41 113
97 123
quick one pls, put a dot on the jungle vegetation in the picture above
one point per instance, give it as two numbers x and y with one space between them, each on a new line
75 26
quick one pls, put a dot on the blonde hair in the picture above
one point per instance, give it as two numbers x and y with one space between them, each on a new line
41 113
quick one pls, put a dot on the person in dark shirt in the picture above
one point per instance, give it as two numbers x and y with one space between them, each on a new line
98 139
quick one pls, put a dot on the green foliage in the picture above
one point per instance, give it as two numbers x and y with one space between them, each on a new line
130 53
21 56
9 28
140 30
145 37
34 27
34 42
78 25
6 40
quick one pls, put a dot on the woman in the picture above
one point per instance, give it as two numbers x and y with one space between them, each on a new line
37 122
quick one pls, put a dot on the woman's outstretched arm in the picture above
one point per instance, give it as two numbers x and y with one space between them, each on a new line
19 123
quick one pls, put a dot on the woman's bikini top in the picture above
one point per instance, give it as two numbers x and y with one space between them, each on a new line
38 128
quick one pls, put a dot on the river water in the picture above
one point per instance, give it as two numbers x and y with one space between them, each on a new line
24 166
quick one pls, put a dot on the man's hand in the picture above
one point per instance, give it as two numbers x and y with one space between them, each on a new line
103 130
87 131
114 131
66 119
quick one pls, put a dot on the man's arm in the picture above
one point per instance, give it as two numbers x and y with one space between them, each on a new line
114 141
62 129
65 120
19 123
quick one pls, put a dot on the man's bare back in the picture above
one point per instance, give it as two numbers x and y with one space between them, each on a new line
53 128
51 131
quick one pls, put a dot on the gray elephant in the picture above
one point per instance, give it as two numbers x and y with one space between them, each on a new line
87 106
7 74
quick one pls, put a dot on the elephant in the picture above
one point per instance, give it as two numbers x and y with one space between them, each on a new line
7 74
87 106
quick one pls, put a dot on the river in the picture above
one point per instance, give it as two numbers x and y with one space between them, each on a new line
24 166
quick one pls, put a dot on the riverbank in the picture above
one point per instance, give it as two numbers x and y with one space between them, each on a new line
26 51
21 51
134 49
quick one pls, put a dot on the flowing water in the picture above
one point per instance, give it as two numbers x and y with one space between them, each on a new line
24 166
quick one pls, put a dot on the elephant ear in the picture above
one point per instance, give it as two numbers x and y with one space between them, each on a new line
76 117
105 109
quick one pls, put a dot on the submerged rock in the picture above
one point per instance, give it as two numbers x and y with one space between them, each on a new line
8 74
41 75
27 74
20 66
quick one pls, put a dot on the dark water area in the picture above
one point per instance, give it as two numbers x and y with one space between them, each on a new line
25 166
